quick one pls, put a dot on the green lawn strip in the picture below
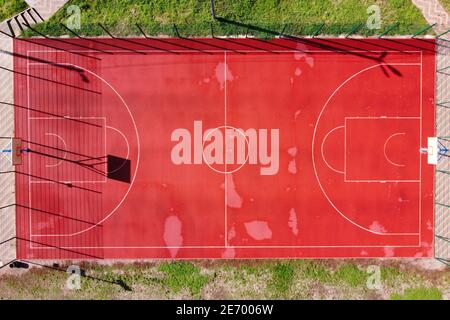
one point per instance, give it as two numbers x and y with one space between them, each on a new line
419 293
445 4
9 8
351 275
316 271
36 284
282 279
193 17
179 275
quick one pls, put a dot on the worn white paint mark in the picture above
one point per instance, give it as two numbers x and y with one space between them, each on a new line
377 227
293 222
172 234
220 74
292 167
233 199
292 151
389 251
258 230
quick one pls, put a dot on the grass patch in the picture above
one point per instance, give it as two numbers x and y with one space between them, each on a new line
243 271
445 4
9 8
179 275
420 293
315 271
282 278
351 275
293 279
391 274
193 17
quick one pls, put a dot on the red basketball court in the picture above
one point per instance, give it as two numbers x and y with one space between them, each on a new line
133 148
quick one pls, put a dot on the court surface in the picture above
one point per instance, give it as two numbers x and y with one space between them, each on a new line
224 148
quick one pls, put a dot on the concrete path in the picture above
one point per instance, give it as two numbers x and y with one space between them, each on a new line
434 12
46 8
40 10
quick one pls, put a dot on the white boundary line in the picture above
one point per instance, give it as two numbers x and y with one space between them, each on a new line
420 158
226 169
377 180
313 147
124 138
104 147
222 51
385 146
244 247
227 247
30 215
69 181
322 152
65 148
137 140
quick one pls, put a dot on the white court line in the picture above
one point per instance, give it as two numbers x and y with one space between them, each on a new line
377 180
128 149
30 215
69 181
137 141
313 148
420 156
224 247
385 146
294 51
104 180
225 175
382 181
67 118
65 148
384 118
222 51
321 149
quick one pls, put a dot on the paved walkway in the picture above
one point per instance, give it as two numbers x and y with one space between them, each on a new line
45 8
7 180
434 12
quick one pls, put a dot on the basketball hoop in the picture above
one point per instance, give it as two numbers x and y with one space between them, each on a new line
16 151
432 150
435 150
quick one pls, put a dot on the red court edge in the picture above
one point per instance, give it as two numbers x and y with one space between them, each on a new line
224 148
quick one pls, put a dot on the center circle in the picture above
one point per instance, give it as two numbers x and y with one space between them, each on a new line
206 139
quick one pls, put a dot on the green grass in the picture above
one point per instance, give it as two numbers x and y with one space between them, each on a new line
316 271
292 279
351 275
420 293
179 275
282 278
193 17
445 4
9 8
